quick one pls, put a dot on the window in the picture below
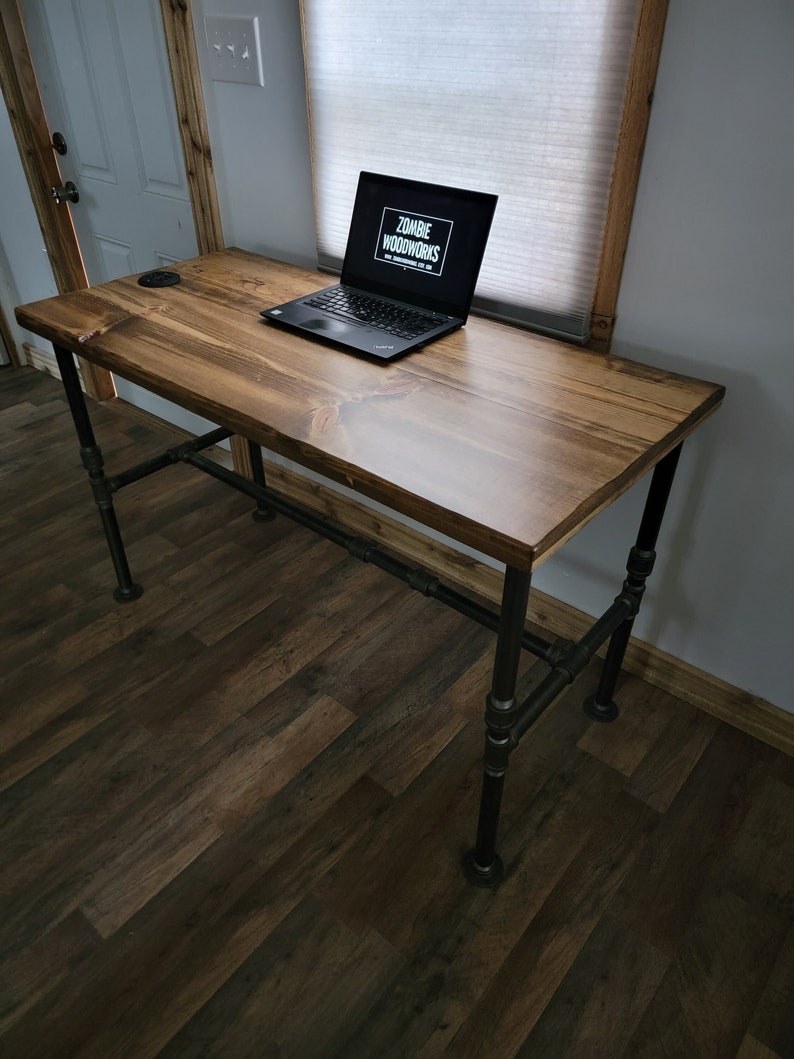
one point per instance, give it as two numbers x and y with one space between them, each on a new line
523 98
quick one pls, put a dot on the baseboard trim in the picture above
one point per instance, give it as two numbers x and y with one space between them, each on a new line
44 360
709 693
550 616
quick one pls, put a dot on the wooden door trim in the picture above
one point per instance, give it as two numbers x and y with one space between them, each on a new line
8 339
180 42
32 135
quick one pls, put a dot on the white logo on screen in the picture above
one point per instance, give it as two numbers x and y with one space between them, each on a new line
413 240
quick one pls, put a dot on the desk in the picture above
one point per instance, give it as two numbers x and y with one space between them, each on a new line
505 441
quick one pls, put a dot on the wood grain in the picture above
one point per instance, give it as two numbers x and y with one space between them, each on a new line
180 46
641 80
505 441
550 616
224 831
7 339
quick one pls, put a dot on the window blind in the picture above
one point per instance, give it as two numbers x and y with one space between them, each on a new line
522 98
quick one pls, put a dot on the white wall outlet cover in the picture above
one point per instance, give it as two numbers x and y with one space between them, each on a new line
233 49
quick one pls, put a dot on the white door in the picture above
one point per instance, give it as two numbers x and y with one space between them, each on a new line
104 79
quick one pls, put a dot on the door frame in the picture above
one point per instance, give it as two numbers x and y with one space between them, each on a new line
40 165
7 339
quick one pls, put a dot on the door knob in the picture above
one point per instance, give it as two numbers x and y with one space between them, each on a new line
67 193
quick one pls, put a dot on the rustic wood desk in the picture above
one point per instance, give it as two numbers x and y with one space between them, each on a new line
507 442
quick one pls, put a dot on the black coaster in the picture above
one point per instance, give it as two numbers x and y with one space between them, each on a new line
159 278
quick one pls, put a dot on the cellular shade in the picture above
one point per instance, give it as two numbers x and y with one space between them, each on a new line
522 98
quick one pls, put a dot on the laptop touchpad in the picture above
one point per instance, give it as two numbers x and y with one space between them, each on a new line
327 326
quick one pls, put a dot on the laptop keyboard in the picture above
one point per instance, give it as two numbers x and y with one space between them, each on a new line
386 316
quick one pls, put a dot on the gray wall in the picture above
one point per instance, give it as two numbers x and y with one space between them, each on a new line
260 138
707 291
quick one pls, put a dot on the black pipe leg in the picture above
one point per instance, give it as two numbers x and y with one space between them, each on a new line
602 706
263 512
482 866
91 456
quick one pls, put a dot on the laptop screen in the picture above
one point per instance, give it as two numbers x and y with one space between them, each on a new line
417 242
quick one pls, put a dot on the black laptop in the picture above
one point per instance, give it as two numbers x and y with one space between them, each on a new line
413 256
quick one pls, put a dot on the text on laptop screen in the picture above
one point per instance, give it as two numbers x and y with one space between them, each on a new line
413 240
417 240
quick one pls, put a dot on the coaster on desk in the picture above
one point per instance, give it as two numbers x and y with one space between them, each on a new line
159 278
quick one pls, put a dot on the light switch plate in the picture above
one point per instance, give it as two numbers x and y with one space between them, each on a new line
233 48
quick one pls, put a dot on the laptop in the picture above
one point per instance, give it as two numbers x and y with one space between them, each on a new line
413 256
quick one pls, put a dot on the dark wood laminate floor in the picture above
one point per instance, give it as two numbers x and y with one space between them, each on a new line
232 812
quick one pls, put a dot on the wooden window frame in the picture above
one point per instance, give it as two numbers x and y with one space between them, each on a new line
648 36
18 83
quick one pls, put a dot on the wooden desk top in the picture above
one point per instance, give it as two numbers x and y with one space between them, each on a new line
503 440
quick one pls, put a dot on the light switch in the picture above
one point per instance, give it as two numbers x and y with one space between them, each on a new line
233 48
